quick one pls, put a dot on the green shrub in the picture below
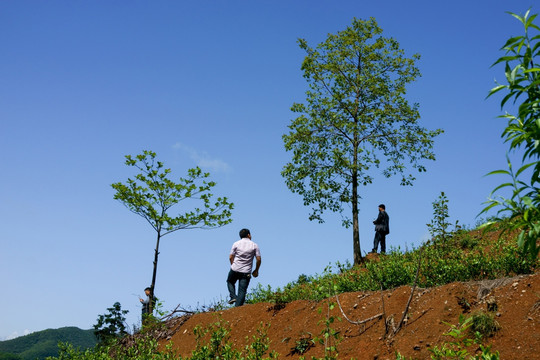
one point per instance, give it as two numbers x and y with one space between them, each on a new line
466 241
457 346
484 323
112 325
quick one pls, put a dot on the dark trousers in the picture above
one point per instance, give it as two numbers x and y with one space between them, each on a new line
380 237
243 282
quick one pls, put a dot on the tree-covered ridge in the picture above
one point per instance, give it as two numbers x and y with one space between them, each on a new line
7 356
41 344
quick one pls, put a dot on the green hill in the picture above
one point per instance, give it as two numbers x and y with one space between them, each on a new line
41 344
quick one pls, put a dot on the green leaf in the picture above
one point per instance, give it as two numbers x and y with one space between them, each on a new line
512 41
497 172
496 89
525 167
531 70
502 186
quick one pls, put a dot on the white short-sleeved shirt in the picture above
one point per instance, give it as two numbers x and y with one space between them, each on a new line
244 251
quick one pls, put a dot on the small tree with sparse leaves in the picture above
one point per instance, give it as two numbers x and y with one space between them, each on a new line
151 195
439 227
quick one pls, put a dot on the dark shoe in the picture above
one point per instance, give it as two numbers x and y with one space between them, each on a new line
232 301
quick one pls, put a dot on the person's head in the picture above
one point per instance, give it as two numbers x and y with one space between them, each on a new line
382 207
244 233
147 291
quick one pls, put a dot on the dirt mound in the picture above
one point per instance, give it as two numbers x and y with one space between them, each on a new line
515 301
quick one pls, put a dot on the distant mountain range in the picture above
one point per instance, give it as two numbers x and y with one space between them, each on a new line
39 345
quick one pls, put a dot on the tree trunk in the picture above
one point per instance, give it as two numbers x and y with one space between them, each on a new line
358 259
153 285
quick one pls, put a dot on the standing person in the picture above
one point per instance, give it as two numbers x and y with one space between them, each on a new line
382 228
146 304
241 257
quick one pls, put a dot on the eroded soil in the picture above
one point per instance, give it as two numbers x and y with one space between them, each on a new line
514 301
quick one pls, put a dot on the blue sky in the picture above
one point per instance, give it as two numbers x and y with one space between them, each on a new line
209 83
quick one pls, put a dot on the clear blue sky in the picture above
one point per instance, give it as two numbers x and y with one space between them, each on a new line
209 83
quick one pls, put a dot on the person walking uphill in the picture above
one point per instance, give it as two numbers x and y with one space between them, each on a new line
382 228
241 257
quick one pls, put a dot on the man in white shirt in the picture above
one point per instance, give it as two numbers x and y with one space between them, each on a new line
241 257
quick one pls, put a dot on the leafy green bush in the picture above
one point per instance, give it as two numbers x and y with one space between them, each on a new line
393 270
143 348
213 342
466 241
112 325
522 73
217 345
457 347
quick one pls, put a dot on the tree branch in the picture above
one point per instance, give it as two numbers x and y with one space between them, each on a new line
412 292
356 322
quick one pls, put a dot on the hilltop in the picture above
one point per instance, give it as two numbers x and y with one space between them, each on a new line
400 305
517 300
369 318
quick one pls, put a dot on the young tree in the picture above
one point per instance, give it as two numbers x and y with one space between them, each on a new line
355 118
152 194
522 72
112 325
439 227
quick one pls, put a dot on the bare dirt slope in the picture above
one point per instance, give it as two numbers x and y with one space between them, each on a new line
517 303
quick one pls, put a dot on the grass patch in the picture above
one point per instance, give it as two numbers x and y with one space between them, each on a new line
484 323
466 255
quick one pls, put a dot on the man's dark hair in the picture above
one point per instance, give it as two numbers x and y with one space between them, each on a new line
244 233
149 289
382 206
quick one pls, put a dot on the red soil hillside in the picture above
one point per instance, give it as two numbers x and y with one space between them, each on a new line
517 303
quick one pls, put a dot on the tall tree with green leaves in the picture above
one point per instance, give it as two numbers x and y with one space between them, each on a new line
522 73
151 195
355 119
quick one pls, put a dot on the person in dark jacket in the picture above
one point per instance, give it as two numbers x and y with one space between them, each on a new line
146 304
382 228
